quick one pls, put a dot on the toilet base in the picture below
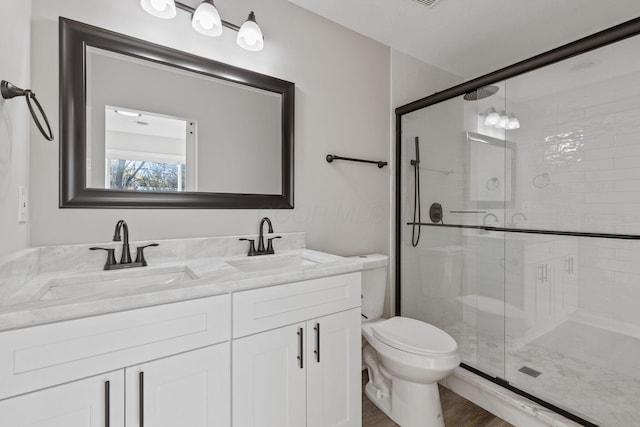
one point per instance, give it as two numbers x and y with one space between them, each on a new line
410 404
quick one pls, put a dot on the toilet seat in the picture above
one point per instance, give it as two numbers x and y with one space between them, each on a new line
414 336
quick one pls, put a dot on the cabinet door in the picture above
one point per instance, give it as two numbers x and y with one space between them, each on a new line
93 402
543 280
189 389
269 378
568 284
333 371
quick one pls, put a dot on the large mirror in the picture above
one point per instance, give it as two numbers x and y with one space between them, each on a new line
143 125
491 178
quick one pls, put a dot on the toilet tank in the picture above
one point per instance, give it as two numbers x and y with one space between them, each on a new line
374 285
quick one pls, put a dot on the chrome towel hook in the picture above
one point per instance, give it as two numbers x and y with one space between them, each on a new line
9 91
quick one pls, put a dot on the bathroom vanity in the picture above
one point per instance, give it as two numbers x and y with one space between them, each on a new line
221 340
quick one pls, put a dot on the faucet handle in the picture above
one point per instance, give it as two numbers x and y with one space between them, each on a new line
111 256
270 244
140 254
252 246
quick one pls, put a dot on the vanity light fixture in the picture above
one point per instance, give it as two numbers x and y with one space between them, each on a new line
514 123
165 9
492 117
250 36
500 120
206 20
503 122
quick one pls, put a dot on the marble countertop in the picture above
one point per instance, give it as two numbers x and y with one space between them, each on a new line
34 303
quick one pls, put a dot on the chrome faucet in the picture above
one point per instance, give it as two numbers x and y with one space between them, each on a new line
513 218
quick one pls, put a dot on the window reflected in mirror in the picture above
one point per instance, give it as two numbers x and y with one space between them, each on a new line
147 151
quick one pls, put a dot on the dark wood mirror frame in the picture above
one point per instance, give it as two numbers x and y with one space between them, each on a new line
74 38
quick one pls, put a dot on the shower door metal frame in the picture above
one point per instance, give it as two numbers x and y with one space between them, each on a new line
603 38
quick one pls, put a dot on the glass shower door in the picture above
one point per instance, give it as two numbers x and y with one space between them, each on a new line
534 265
453 277
577 343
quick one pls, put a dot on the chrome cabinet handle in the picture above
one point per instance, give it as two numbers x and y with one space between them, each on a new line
546 273
317 350
141 399
301 347
107 404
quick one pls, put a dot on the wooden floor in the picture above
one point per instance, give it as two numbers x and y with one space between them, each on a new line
458 412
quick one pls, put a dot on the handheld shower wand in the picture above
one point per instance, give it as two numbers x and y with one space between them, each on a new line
417 214
8 91
416 162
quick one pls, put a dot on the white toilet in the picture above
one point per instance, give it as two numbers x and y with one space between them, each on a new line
405 357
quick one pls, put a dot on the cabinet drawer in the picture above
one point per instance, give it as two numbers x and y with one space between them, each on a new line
42 356
268 308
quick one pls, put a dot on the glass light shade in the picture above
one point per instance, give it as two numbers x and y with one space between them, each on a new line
250 35
492 118
504 121
165 9
206 19
514 123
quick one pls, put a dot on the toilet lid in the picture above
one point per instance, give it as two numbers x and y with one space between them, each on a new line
415 336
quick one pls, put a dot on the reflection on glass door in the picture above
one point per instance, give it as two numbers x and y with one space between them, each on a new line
536 270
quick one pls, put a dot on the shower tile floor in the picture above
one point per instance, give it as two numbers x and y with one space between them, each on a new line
589 371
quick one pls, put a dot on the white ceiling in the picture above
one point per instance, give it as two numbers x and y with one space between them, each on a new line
146 124
471 38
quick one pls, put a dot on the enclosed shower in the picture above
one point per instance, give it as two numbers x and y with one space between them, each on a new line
518 224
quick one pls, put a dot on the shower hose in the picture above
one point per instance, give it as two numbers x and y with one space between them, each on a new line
417 214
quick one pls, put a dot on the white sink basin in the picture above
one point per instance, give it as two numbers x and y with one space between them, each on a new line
276 262
89 284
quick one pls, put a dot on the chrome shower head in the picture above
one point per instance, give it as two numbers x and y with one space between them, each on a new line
480 93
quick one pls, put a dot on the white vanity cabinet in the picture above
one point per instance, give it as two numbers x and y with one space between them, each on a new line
180 351
269 387
92 402
189 389
283 355
551 278
296 354
333 370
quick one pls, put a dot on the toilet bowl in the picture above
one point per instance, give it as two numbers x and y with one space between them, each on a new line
405 358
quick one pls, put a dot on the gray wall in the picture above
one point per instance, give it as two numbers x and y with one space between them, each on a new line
239 128
342 106
14 122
